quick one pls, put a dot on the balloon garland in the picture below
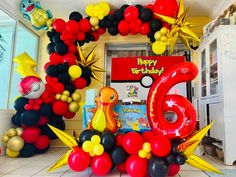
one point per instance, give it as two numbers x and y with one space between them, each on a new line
159 152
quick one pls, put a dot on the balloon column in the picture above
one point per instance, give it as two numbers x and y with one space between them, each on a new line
158 153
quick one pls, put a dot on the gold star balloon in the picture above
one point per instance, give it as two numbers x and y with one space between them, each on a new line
26 65
190 145
89 61
180 28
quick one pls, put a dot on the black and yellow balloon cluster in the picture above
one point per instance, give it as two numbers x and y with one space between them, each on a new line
13 141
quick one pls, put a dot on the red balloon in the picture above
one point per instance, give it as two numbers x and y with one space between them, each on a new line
72 26
158 102
119 139
69 58
58 88
148 136
123 27
59 25
42 142
81 36
101 165
69 115
30 135
136 166
173 170
160 146
78 160
138 22
55 58
60 108
80 83
101 31
43 120
84 25
168 8
132 142
145 29
72 49
36 107
132 26
149 6
131 13
121 167
95 35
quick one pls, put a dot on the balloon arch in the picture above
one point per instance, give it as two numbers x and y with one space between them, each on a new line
41 108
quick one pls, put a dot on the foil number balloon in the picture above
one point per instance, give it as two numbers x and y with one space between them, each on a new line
159 102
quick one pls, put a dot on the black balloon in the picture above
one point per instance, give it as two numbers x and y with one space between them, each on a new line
81 43
86 135
88 81
86 72
146 14
102 23
75 16
20 103
64 78
124 7
108 140
62 68
151 35
111 17
108 23
170 159
52 70
56 38
156 25
174 148
50 48
28 150
152 39
16 120
61 48
46 110
113 30
139 7
71 88
157 167
50 34
30 118
43 150
119 14
118 156
180 159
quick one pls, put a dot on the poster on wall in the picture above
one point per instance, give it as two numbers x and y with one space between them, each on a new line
133 76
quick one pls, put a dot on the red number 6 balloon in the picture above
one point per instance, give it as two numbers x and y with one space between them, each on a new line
158 103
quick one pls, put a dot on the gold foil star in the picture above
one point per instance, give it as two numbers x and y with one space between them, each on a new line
89 61
180 28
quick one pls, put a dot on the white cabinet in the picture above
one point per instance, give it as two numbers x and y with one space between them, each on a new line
217 88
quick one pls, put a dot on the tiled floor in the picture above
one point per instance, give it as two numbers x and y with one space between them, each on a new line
37 167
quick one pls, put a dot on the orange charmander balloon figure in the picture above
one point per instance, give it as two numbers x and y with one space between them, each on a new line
104 116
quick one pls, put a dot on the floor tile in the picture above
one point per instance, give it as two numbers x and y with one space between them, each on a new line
27 170
111 174
70 173
192 174
9 175
58 172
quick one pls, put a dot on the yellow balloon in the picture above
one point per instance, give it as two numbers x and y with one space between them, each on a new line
142 153
149 155
19 131
75 71
164 31
147 147
73 107
11 153
157 35
11 132
91 154
96 27
163 38
96 139
94 21
158 47
99 121
64 98
100 17
76 96
88 146
5 139
98 149
89 10
66 92
69 100
58 96
16 143
106 8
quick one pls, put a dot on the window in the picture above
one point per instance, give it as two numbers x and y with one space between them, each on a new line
15 39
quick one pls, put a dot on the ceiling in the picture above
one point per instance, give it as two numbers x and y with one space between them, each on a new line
62 8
